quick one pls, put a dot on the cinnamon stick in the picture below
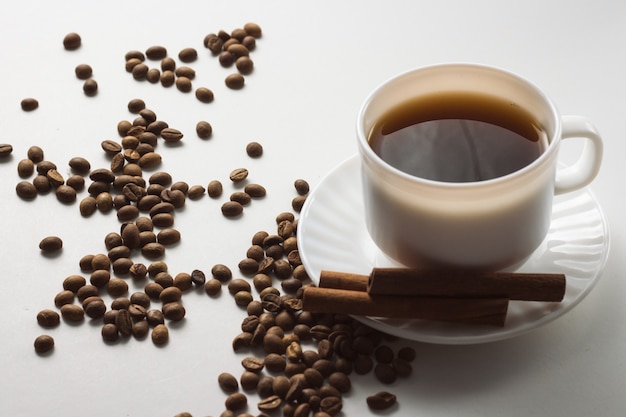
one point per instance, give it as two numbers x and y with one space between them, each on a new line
343 281
512 285
485 311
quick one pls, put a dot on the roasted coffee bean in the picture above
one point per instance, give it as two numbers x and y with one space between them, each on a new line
65 194
385 373
183 84
238 50
127 213
168 236
124 323
170 295
407 353
241 340
255 190
136 105
331 405
183 281
240 197
253 29
204 95
340 381
132 63
384 354
90 87
156 52
238 175
249 380
110 147
74 283
243 298
270 404
153 75
204 130
29 104
167 78
25 168
244 64
137 311
95 309
298 202
86 291
164 279
34 153
227 382
235 81
44 343
232 209
51 244
196 192
249 42
381 400
273 343
155 317
140 329
236 401
214 189
42 184
401 367
226 59
6 150
160 335
281 386
213 287
44 166
171 135
174 311
302 410
150 160
48 318
253 364
77 182
275 362
117 287
109 332
221 272
100 278
83 71
254 149
72 41
26 190
64 297
72 312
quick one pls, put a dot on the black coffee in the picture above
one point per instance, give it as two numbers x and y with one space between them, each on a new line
458 137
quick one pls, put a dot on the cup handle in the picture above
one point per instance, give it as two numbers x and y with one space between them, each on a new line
585 169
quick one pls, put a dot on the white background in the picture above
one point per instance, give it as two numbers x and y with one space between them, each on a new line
315 64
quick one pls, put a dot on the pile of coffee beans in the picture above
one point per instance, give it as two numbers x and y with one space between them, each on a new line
297 363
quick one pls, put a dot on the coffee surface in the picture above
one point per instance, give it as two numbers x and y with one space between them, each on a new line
458 137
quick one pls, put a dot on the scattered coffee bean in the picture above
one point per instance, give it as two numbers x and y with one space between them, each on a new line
236 401
26 190
228 382
301 186
254 149
109 332
171 135
204 95
183 84
5 150
244 64
253 29
48 318
270 404
72 41
29 104
44 344
214 189
160 335
381 400
83 71
156 52
235 81
90 87
238 175
72 312
51 244
232 209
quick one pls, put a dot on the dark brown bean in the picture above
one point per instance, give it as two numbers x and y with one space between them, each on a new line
235 81
90 87
228 382
160 335
72 312
156 52
204 95
381 400
48 318
214 189
253 29
44 343
72 41
26 190
232 209
51 244
236 401
29 104
244 64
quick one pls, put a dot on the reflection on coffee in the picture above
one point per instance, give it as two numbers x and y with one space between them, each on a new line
458 137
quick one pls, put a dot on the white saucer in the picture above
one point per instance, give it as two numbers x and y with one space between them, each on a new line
332 236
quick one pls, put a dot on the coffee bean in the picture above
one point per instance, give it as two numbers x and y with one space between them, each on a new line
90 87
249 380
214 189
232 209
44 344
249 42
160 335
253 29
238 175
170 295
77 182
226 59
204 95
29 104
381 400
95 309
183 84
25 168
65 194
127 213
236 401
83 71
270 404
140 329
156 52
26 190
331 405
48 318
255 190
72 41
109 332
168 236
244 64
301 186
174 311
51 244
196 192
5 150
340 381
241 340
385 373
235 81
34 153
227 382
149 160
155 317
298 202
407 353
167 78
171 135
72 312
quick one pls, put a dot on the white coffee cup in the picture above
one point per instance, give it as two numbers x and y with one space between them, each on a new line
491 224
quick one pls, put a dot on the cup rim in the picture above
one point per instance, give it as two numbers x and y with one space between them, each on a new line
367 150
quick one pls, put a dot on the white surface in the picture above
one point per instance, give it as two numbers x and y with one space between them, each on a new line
332 236
314 65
